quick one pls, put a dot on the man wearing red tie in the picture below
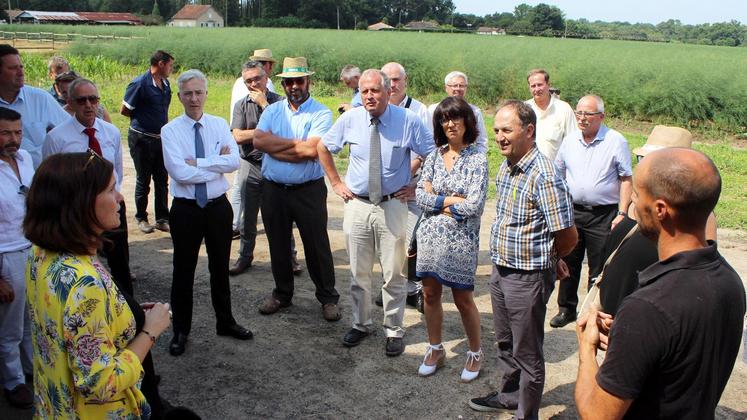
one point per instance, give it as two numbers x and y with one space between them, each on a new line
85 131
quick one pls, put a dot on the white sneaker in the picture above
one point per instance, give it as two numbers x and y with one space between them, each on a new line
473 357
428 370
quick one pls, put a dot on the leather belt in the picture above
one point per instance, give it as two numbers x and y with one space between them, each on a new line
192 201
593 208
291 187
383 199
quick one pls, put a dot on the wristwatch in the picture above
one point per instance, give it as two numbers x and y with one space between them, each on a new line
621 213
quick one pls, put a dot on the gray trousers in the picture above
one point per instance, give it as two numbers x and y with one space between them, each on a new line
15 325
519 301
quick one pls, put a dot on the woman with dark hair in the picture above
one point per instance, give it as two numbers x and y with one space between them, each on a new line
451 191
91 343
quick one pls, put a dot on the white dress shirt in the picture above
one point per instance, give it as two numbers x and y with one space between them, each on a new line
240 91
178 141
69 137
482 136
13 202
553 124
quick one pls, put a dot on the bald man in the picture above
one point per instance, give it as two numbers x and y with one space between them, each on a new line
673 343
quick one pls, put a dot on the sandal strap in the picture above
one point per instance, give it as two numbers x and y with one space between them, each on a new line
474 355
430 350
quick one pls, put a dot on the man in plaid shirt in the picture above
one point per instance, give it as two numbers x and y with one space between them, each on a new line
533 228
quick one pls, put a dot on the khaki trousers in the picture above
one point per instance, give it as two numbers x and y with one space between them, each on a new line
377 231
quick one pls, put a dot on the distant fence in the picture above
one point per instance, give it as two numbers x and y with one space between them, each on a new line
59 38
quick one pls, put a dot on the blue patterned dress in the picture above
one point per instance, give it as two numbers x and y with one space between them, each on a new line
448 246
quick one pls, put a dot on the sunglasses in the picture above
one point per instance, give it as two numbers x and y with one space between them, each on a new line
23 190
81 100
92 155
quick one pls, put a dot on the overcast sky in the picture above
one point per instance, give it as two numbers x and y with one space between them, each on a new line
649 11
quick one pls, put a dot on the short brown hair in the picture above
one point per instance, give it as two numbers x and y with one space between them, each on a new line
61 202
454 107
525 112
539 71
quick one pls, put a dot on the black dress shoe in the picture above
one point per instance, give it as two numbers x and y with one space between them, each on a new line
236 331
416 301
562 319
236 234
178 344
394 346
353 337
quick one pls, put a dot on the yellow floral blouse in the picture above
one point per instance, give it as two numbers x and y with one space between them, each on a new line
81 326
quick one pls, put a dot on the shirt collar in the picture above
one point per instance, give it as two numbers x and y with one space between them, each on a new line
301 108
385 118
153 79
21 96
680 261
192 122
404 101
525 162
80 127
601 134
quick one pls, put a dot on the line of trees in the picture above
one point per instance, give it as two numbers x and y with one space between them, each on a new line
539 20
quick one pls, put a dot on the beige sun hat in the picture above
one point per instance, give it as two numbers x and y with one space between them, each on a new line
295 67
263 54
663 136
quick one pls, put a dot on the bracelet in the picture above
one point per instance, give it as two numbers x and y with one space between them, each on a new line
151 336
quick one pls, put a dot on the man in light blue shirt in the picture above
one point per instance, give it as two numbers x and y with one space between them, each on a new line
381 137
350 75
595 161
294 191
40 112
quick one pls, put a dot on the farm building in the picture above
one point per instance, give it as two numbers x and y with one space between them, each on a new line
487 30
379 26
196 15
73 18
422 26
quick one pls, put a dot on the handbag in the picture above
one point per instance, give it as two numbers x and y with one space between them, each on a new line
593 298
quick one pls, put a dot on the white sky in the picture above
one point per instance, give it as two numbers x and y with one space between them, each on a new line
648 11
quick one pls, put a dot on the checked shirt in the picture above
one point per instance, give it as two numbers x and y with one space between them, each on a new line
533 202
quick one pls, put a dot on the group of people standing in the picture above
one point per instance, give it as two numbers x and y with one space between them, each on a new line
416 175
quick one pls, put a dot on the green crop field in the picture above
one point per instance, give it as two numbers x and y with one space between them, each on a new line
700 87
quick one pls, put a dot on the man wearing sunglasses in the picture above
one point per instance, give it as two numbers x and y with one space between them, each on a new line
16 171
294 191
87 131
595 161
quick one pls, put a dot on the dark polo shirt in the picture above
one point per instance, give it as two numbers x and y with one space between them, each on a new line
674 341
246 115
148 104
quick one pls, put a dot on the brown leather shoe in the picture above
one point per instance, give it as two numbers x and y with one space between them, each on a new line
162 225
272 305
241 265
331 312
20 396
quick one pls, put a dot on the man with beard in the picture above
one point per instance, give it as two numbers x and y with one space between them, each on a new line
673 343
294 191
16 171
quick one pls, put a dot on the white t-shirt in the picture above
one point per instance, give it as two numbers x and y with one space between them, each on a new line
553 124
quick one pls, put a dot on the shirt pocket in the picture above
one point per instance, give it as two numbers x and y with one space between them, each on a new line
393 159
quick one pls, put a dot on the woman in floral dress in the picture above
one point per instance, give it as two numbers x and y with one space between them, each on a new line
87 354
451 192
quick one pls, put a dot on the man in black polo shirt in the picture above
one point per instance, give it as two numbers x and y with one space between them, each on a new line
146 102
673 343
246 114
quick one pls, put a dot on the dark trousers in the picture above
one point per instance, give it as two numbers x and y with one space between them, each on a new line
250 187
189 225
147 156
117 252
306 205
593 227
519 300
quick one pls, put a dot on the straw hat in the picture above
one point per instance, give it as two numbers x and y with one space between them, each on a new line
262 55
662 137
295 67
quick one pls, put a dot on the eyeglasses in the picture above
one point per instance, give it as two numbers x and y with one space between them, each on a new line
638 158
23 190
455 121
81 100
253 80
582 114
92 155
458 86
294 81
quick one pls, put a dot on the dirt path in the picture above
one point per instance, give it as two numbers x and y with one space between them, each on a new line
296 366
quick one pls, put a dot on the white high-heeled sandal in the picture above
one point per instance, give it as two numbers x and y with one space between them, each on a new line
472 357
428 370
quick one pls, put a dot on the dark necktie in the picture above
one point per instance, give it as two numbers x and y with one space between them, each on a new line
201 188
93 144
374 164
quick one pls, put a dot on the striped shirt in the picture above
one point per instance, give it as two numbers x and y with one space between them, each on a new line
533 202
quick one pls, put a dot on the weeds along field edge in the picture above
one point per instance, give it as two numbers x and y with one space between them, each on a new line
690 85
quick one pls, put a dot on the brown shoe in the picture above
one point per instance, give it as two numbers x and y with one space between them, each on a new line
20 396
162 225
272 305
331 312
241 265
